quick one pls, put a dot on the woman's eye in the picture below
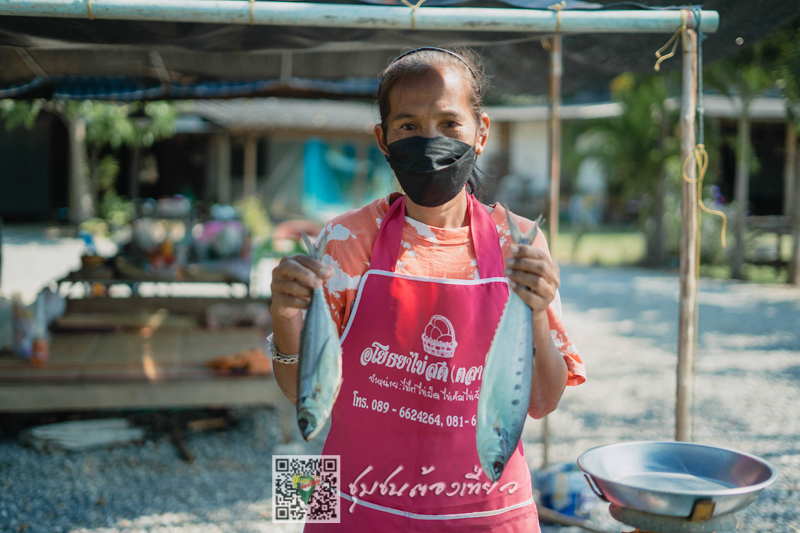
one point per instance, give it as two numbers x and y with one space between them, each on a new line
451 124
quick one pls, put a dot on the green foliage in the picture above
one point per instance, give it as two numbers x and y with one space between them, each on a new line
788 63
116 210
15 113
631 145
254 217
107 172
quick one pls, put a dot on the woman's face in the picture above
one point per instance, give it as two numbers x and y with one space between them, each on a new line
433 105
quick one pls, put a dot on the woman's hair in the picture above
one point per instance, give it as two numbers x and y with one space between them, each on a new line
414 65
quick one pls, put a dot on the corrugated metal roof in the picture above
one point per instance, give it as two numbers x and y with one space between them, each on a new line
285 113
296 114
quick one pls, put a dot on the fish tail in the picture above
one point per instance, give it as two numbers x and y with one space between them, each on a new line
516 235
531 234
315 251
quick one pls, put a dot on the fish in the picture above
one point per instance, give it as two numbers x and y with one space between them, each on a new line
319 373
508 371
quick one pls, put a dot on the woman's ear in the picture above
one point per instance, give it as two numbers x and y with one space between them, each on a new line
483 133
381 139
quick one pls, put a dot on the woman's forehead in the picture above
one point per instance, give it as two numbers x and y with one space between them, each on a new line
443 91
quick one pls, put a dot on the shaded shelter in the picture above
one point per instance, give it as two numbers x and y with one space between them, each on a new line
312 49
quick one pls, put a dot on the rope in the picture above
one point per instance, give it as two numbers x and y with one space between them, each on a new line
414 9
672 41
557 8
252 12
89 9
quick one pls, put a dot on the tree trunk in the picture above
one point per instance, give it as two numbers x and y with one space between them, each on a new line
80 200
741 188
660 244
94 171
133 186
794 263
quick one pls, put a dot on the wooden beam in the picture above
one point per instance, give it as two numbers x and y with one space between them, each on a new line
250 164
138 395
224 174
688 253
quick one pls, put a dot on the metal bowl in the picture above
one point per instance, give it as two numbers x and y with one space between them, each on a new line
674 478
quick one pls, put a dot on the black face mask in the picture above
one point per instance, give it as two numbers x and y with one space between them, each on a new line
431 171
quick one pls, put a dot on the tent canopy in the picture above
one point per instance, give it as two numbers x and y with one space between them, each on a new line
134 59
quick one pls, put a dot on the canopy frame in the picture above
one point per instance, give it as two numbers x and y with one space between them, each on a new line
554 22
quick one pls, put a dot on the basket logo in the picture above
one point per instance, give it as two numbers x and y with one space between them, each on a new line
439 338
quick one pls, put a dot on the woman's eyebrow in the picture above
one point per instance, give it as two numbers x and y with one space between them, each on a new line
442 114
401 116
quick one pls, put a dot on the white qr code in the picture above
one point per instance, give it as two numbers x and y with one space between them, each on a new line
305 488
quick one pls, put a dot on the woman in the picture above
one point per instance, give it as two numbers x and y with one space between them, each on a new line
417 284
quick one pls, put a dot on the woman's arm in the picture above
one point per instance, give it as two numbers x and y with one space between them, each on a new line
293 282
535 279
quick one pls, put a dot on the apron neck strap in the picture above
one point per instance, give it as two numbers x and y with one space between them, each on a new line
482 228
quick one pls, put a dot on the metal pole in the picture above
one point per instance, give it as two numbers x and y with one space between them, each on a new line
360 16
688 297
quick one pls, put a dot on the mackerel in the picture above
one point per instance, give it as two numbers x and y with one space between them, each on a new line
508 371
319 375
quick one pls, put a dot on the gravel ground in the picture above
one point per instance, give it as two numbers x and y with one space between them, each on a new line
624 323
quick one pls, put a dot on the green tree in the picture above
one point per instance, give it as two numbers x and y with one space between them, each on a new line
636 146
742 78
105 126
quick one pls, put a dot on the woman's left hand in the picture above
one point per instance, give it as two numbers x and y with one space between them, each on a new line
535 278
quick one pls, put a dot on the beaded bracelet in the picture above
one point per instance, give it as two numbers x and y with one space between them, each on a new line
281 357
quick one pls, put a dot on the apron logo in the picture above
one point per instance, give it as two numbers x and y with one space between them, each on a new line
439 338
305 485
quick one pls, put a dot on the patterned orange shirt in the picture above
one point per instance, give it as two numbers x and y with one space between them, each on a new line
425 251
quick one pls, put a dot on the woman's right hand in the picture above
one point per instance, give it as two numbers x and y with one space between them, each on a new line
293 281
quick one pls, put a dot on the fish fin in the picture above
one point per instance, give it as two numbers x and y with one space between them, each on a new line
512 226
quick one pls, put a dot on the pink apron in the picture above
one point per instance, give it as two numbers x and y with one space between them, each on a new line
404 421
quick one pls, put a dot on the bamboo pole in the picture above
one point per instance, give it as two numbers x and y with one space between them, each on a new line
556 72
688 297
360 16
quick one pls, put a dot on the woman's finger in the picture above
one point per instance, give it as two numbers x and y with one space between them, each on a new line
531 299
320 269
535 284
291 288
527 250
296 269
